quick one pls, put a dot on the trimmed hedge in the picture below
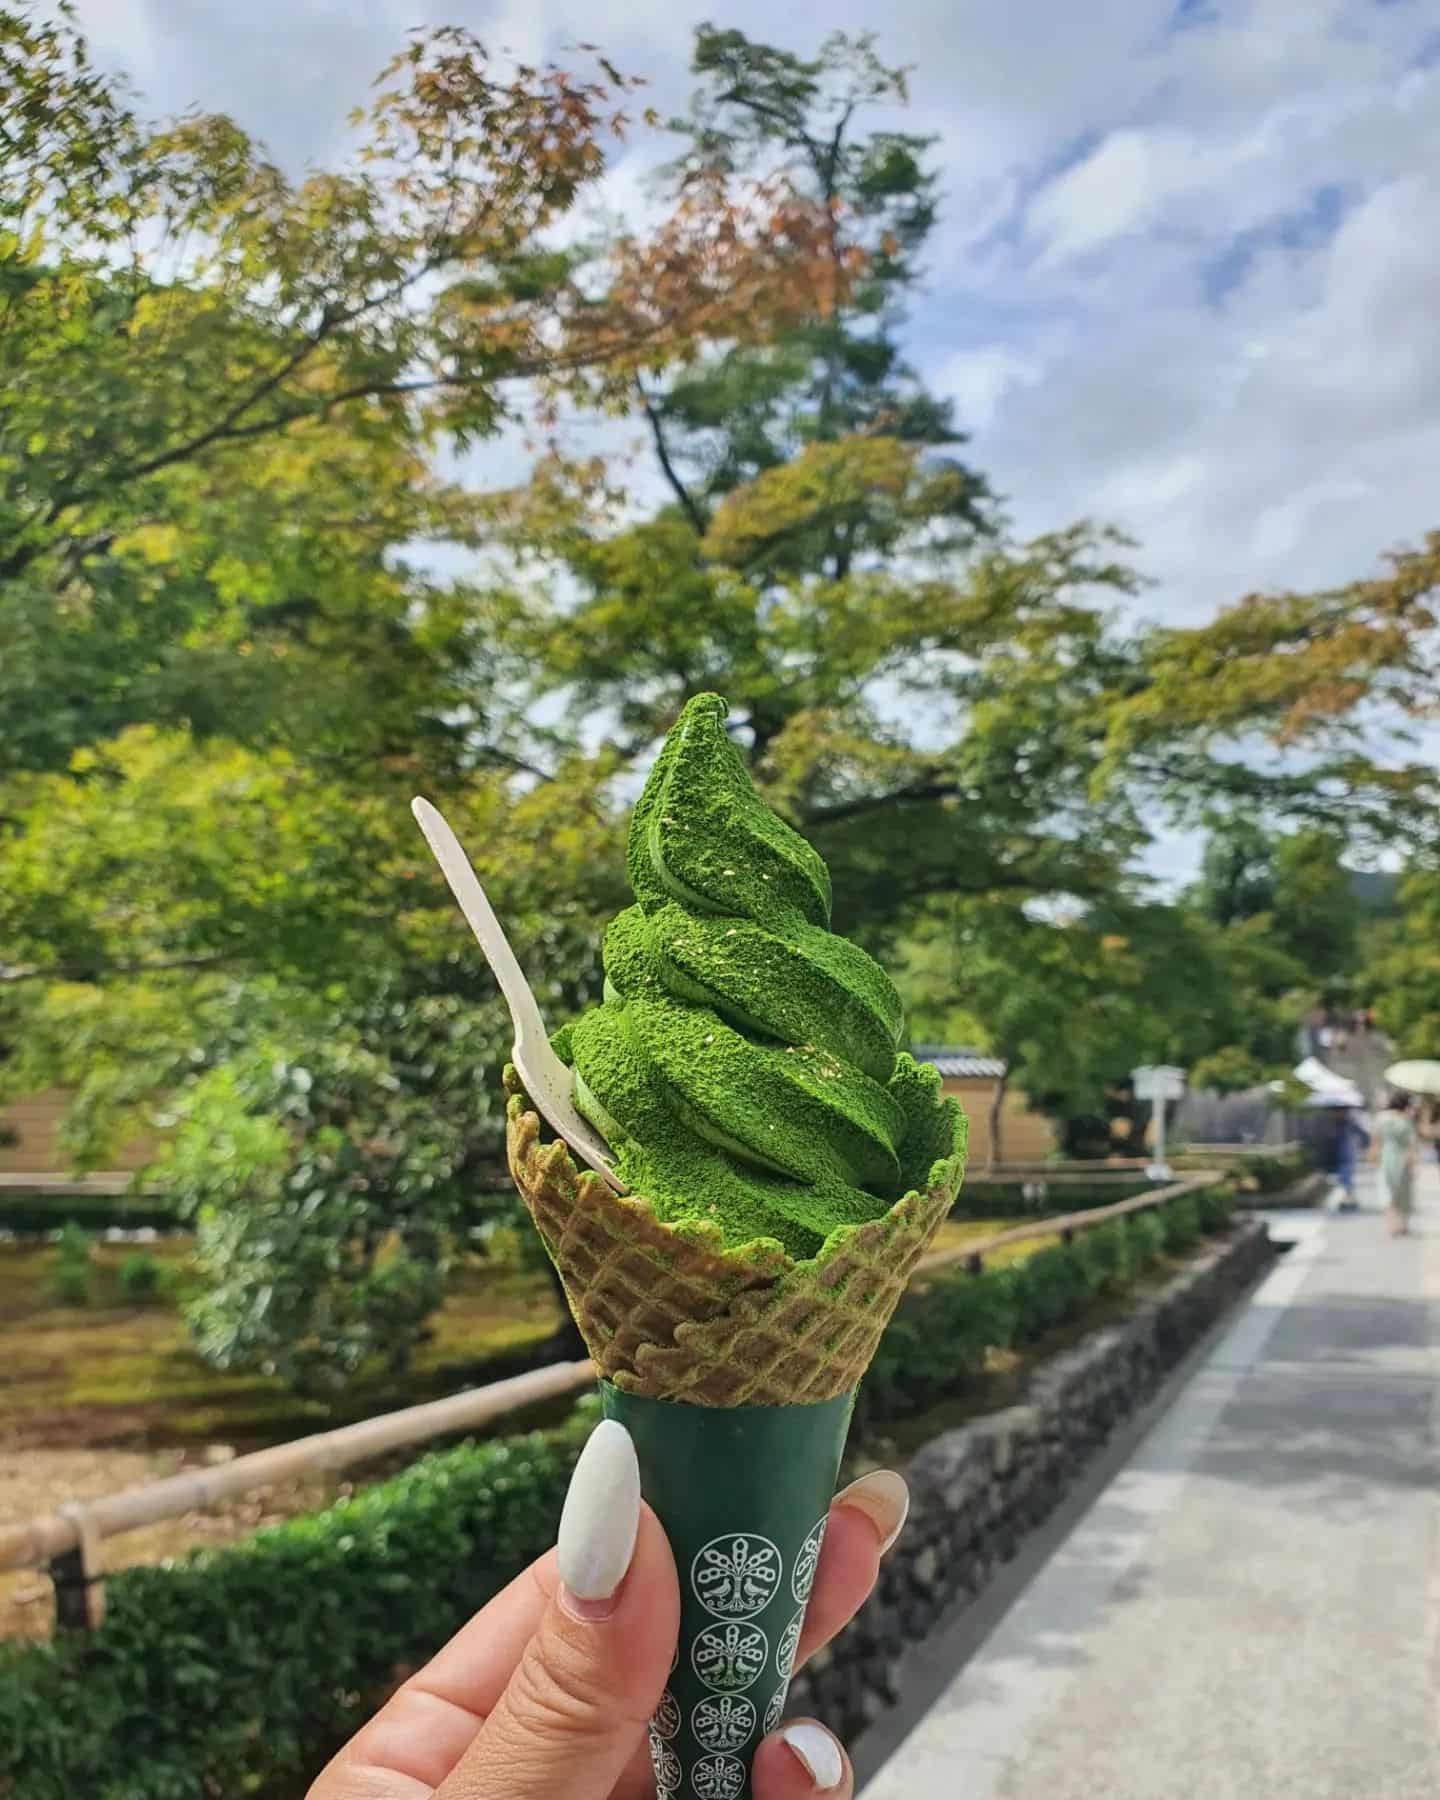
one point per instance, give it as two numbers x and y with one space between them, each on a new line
982 1198
35 1213
240 1670
938 1340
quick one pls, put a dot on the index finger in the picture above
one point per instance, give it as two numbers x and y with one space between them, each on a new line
427 1725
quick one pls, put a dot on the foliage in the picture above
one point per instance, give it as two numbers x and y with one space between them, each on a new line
1107 1255
1072 1004
1180 1221
197 1684
219 387
140 1278
1215 1205
1319 675
25 1212
69 1280
1229 1070
1296 882
1147 1238
1401 974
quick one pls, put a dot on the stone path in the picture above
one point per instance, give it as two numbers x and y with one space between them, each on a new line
1250 1607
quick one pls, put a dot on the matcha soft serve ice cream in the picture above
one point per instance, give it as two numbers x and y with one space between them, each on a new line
786 1163
744 1064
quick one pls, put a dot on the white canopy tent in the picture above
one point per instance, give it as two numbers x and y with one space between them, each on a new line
1326 1087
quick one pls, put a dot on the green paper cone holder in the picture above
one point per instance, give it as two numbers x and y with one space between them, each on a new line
743 1493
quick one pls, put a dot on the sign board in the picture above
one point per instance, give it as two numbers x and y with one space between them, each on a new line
1159 1082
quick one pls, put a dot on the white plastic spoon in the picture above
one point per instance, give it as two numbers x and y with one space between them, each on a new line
547 1081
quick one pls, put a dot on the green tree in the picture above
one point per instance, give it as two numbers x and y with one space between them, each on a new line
840 372
1291 892
1237 872
1401 972
225 673
1316 910
1071 1005
220 389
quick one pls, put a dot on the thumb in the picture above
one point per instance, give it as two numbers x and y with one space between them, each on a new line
576 1708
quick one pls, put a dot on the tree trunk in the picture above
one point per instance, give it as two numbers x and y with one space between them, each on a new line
997 1104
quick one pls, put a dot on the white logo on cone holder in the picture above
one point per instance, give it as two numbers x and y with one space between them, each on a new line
789 1644
667 1768
736 1576
729 1658
775 1711
803 1577
725 1723
717 1778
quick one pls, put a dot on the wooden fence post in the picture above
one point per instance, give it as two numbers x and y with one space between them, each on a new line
79 1576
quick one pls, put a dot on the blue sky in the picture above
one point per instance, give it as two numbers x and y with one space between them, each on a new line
1188 269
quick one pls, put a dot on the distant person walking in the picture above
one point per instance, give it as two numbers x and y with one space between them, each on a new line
1349 1139
1395 1148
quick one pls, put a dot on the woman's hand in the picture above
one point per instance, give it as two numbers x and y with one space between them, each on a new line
547 1692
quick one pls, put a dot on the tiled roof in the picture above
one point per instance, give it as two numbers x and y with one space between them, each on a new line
955 1061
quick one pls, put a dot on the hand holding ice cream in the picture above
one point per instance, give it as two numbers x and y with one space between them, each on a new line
788 1164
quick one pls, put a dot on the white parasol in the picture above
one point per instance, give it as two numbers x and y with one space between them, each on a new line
1418 1077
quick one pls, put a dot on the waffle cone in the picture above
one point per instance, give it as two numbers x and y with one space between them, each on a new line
669 1312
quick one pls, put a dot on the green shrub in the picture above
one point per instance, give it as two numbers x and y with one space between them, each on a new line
29 1212
1147 1239
1215 1206
937 1342
240 1670
1180 1223
139 1277
1106 1256
68 1279
1051 1288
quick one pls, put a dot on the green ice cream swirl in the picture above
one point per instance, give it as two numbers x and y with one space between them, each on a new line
744 1064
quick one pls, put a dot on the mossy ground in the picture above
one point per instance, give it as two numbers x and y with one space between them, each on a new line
107 1396
959 1234
112 1373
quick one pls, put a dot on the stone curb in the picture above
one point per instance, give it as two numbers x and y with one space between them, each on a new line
978 1490
1310 1190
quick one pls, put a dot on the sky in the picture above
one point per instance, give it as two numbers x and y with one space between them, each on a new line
1188 268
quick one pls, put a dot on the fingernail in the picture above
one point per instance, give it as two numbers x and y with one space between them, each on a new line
599 1522
818 1753
885 1501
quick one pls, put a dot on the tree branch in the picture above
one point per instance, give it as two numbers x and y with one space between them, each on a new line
921 791
94 971
682 493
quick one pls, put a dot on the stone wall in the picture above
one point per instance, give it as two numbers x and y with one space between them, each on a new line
976 1491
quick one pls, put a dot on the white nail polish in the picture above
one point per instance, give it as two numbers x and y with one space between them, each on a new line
885 1501
601 1514
814 1747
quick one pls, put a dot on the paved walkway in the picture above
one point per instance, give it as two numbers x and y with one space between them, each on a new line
1249 1611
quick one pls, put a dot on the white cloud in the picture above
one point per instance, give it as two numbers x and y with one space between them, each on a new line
982 381
1184 278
